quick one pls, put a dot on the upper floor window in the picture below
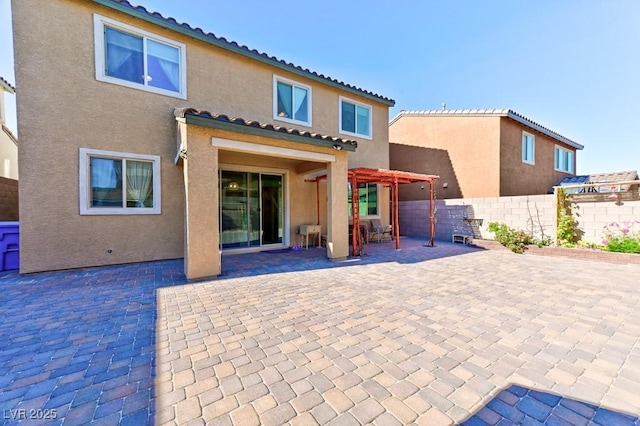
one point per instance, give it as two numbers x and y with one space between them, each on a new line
119 183
135 58
291 101
355 118
563 160
528 148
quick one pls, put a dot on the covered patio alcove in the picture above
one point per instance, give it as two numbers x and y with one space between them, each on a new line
245 187
388 178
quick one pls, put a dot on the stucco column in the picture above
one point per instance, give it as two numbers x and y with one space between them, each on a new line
337 216
201 231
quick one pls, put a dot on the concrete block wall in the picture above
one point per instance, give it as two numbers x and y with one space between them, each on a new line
532 213
592 217
8 199
471 216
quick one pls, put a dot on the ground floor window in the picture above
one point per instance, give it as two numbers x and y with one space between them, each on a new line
252 211
119 183
368 199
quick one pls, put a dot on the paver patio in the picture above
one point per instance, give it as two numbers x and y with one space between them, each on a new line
424 335
408 339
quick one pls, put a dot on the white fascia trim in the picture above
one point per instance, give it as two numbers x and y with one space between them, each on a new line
272 151
99 22
276 79
84 173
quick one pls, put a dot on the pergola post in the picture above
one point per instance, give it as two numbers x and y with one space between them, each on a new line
432 219
355 215
396 213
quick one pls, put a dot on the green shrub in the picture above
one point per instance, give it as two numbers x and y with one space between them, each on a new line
566 234
622 238
515 240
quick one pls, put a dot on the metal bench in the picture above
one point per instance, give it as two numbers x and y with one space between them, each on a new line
459 238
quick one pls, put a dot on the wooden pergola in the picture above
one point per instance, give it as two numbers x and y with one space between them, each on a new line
391 179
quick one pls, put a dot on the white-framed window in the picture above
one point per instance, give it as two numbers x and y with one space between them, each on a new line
563 160
354 118
291 101
528 148
368 199
135 58
118 183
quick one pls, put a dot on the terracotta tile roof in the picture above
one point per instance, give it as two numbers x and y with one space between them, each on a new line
6 85
195 32
222 118
489 112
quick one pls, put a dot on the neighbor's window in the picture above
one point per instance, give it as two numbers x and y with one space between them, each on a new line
291 101
528 148
119 183
368 199
563 160
355 118
135 58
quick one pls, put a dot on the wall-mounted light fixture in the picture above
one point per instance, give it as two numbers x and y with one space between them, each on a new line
183 154
445 185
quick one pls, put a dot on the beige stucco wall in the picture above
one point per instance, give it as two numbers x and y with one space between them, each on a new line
55 120
471 142
8 156
519 178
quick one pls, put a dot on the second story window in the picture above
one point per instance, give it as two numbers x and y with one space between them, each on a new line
355 118
563 160
135 58
291 101
528 148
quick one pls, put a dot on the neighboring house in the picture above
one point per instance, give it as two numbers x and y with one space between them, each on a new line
612 182
130 152
479 153
8 142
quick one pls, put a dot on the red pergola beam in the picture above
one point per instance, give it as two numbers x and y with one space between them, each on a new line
390 178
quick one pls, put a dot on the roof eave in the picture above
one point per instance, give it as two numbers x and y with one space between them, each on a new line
6 86
489 113
238 50
258 131
512 115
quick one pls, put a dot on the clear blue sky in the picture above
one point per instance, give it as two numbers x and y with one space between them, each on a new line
572 65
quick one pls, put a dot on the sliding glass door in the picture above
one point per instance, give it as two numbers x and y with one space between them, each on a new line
251 209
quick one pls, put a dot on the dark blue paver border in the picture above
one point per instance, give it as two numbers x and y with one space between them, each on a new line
518 405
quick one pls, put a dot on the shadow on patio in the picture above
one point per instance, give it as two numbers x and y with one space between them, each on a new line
413 250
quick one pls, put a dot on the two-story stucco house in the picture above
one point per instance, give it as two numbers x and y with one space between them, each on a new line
143 138
479 153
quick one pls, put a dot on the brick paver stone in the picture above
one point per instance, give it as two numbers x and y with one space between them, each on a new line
293 336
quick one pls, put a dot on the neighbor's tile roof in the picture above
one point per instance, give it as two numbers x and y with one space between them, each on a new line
194 32
490 112
600 178
251 124
7 86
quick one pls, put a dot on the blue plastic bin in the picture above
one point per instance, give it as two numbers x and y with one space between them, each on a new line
9 246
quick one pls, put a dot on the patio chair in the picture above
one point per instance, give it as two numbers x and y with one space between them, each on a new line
378 231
